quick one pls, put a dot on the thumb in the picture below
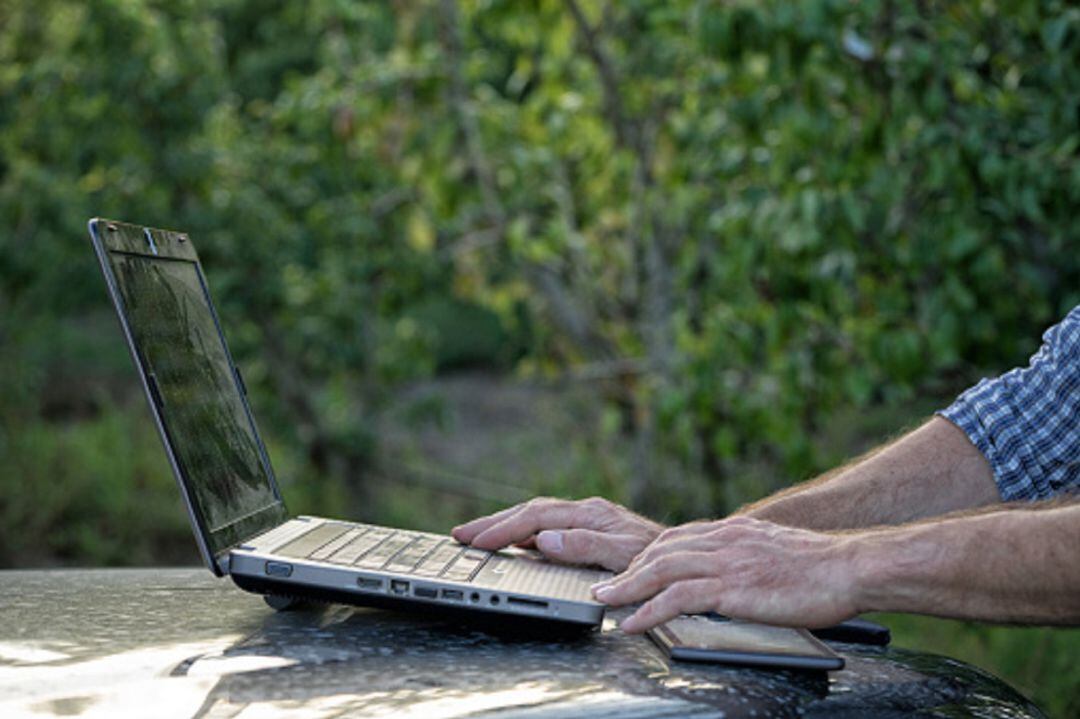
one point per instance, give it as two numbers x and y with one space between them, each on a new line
585 546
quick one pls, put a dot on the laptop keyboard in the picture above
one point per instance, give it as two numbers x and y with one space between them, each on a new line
390 550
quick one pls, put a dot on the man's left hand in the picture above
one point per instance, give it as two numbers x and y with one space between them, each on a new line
742 568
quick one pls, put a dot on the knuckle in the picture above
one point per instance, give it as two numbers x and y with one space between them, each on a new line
683 530
725 533
669 534
643 575
731 529
584 511
596 503
670 563
680 591
671 596
660 569
578 540
538 502
645 558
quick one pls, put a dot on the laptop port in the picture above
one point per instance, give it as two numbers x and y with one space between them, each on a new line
494 600
530 603
372 585
425 592
399 586
278 569
455 595
474 597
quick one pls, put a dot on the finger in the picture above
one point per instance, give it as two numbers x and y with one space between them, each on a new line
663 543
704 542
689 597
586 546
702 536
644 582
465 533
534 517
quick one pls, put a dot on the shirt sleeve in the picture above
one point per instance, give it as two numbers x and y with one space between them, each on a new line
1027 421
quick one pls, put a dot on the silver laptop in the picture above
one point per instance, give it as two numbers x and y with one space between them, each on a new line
198 400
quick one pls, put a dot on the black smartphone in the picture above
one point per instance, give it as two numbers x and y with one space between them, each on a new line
700 638
855 631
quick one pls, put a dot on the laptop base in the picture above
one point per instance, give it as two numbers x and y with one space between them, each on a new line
293 597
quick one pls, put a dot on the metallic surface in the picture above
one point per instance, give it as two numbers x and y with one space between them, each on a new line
180 643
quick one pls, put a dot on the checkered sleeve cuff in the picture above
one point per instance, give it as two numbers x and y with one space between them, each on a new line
965 414
1027 421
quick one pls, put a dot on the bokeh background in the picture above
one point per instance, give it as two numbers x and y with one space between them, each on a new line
680 253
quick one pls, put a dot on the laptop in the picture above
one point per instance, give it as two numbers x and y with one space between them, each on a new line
198 399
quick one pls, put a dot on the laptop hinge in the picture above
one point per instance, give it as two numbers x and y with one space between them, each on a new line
223 562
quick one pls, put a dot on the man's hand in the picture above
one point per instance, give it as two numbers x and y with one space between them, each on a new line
739 567
588 531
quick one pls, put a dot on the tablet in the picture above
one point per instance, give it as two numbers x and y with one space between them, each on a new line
704 638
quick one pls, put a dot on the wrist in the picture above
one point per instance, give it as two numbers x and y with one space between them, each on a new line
887 569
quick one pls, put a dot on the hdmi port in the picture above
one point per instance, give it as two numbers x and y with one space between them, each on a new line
425 592
530 603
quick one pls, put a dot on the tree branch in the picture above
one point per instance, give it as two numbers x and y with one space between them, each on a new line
625 134
459 100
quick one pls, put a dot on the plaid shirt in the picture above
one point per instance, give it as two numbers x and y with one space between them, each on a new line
1027 421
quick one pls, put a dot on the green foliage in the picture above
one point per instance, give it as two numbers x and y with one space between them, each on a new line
462 334
756 213
96 490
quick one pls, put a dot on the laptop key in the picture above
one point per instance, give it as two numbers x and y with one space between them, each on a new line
334 545
438 560
477 554
407 559
359 547
383 553
306 543
466 566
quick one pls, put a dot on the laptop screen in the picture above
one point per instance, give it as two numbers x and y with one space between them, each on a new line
209 428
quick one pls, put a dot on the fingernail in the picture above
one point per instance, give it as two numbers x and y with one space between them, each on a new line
603 593
549 542
600 585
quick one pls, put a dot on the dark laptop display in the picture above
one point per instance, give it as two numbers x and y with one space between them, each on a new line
207 421
190 374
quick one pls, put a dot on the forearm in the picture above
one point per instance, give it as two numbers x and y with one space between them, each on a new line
1007 566
928 472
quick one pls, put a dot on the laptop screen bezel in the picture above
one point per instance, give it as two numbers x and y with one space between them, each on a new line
214 545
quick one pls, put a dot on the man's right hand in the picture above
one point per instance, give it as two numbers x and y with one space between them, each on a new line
587 531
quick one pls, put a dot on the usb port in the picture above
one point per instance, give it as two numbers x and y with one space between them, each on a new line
369 583
399 586
453 594
425 592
